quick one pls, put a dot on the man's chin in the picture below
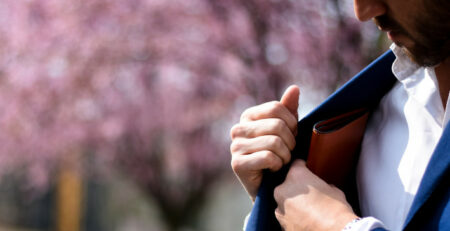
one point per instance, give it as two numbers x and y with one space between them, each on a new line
421 56
413 57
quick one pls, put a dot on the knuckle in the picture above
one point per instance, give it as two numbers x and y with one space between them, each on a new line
236 146
272 161
236 164
277 165
278 125
277 193
250 113
288 158
294 143
276 142
268 156
277 213
236 131
291 144
245 114
274 107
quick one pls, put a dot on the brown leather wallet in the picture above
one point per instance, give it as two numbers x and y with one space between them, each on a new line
335 146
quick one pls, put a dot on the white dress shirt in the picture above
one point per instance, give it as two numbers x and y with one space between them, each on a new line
399 140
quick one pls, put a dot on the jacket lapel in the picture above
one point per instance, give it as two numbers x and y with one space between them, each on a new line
365 90
435 181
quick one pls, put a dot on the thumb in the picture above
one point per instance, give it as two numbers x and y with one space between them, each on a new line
290 99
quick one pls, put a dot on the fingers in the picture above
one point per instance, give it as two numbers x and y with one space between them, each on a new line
270 143
305 201
271 110
263 139
248 168
261 159
264 127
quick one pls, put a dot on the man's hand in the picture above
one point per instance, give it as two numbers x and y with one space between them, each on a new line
306 202
264 139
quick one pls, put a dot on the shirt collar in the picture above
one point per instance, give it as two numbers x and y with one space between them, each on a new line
420 83
403 66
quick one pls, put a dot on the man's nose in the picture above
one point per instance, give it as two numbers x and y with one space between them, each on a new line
367 9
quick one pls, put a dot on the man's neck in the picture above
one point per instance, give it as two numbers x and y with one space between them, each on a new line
443 78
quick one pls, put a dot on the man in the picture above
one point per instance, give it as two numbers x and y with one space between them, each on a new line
399 144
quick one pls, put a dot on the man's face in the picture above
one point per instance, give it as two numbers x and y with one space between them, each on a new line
420 27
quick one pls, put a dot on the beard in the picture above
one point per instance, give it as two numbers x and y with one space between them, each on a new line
431 45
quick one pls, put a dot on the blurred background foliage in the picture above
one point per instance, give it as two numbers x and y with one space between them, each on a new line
114 115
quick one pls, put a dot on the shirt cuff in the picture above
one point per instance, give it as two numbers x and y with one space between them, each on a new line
364 224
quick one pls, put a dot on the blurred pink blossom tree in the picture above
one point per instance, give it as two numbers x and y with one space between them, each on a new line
152 86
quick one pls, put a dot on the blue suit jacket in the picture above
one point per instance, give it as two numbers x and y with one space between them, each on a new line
430 209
